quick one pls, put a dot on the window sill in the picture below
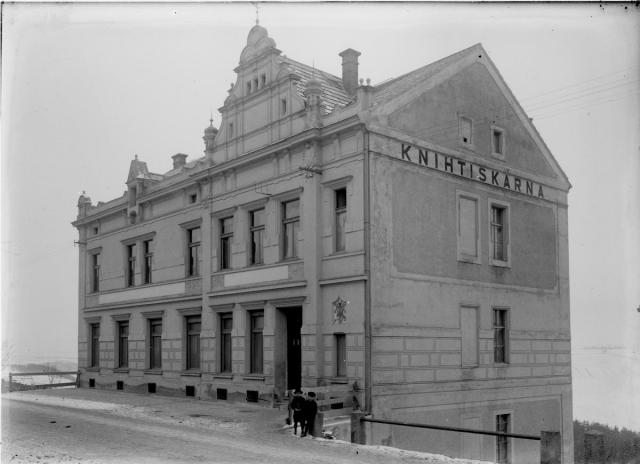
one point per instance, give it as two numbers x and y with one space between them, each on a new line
193 373
499 156
339 380
223 375
469 260
121 370
497 263
153 371
258 377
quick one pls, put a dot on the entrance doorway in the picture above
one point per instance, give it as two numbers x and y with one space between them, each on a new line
294 349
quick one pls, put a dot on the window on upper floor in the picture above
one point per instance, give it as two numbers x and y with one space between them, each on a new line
255 84
226 237
468 236
95 271
256 230
193 198
470 336
193 251
466 130
147 248
499 233
497 142
283 106
290 228
131 265
263 80
230 130
248 87
340 218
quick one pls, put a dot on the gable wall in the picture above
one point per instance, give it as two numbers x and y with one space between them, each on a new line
433 116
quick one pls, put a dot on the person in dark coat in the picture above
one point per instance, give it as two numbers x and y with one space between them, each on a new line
296 406
310 410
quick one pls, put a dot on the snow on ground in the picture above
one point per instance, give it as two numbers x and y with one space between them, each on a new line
238 418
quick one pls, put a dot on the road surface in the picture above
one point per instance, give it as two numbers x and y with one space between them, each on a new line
33 432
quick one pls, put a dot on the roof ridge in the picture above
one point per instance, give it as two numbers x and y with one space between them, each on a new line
310 68
422 68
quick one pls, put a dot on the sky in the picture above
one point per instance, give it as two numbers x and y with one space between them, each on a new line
85 87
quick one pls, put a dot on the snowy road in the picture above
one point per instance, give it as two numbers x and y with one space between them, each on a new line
36 432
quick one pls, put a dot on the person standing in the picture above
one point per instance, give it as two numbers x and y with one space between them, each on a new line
296 406
309 412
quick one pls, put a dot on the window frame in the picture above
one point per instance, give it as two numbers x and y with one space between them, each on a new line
285 222
94 350
95 263
192 350
506 233
256 333
153 362
226 348
193 266
256 257
147 271
340 233
500 154
462 256
461 120
123 344
225 240
130 271
340 340
504 328
502 441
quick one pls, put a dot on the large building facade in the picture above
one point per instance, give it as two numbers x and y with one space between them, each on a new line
406 240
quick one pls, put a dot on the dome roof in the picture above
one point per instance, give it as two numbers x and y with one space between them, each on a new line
211 130
257 42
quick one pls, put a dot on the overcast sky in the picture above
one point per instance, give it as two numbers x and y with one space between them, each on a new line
85 87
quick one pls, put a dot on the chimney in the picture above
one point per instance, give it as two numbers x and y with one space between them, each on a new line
350 70
179 160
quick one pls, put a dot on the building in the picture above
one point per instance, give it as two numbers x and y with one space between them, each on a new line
407 241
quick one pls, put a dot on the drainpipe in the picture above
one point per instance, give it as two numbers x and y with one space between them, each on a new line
367 272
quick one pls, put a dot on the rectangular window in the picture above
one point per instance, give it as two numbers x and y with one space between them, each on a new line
341 218
231 129
257 326
193 325
499 233
468 249
155 343
283 106
290 228
95 345
193 245
497 141
465 130
469 330
248 87
500 341
226 236
147 247
95 272
226 326
255 84
193 198
131 265
257 234
341 355
123 344
502 443
263 80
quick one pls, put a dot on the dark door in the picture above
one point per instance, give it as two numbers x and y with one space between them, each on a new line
294 354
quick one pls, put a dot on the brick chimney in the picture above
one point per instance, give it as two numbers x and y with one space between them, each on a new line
350 70
179 160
